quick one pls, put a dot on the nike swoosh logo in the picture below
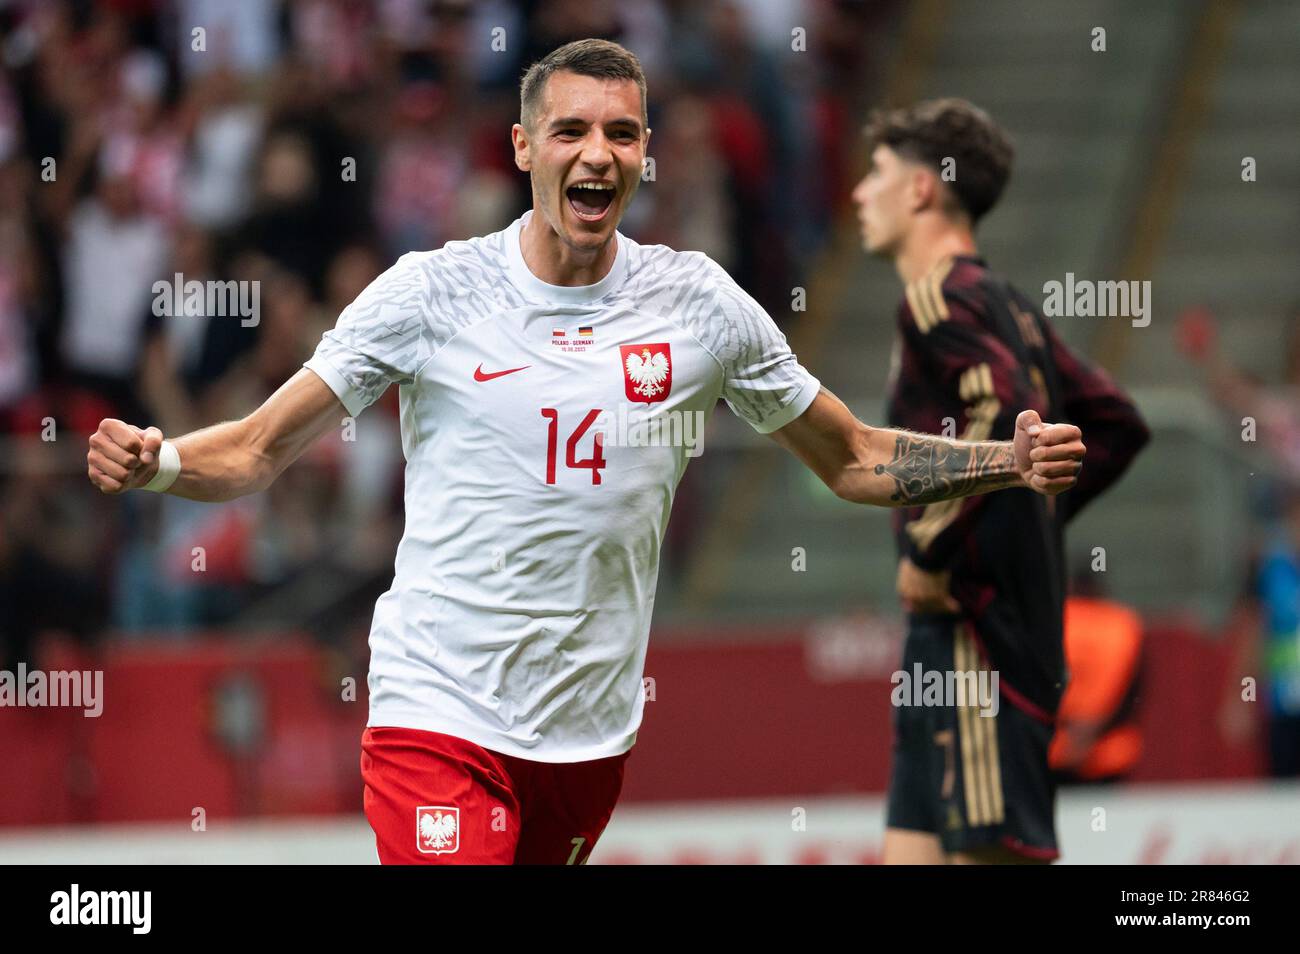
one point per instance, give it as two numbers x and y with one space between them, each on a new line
481 375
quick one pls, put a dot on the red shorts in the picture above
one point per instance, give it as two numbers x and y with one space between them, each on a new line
438 799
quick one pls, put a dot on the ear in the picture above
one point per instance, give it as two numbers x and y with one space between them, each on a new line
519 137
924 190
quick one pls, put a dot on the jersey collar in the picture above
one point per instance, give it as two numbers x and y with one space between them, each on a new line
533 287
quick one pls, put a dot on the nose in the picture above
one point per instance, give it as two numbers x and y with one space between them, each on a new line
596 151
860 192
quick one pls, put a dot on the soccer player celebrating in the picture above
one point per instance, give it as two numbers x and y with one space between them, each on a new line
982 579
506 659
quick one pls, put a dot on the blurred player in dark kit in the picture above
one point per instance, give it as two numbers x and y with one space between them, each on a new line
983 580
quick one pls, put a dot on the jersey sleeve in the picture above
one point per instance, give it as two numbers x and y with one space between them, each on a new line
763 381
380 338
1113 429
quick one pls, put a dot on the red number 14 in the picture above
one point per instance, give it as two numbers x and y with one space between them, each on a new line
595 462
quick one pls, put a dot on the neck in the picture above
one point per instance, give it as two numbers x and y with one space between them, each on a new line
558 263
929 244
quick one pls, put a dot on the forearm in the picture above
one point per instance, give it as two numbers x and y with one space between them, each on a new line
935 533
243 457
902 469
221 463
906 469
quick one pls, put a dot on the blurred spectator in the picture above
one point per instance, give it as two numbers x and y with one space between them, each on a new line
17 289
1098 738
1265 636
49 565
422 171
286 224
1274 407
691 207
242 36
1279 596
1268 634
333 37
141 138
115 252
226 129
184 352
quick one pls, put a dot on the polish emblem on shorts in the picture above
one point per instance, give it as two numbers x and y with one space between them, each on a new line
647 371
437 829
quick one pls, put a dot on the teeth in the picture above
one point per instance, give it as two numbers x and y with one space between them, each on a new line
594 186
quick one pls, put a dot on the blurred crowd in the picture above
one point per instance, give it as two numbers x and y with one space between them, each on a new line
304 145
1265 628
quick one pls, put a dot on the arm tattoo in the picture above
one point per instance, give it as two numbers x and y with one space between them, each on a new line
925 469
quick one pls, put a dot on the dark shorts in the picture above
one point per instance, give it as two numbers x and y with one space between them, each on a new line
438 799
976 780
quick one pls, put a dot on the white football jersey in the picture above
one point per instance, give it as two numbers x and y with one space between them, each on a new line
520 609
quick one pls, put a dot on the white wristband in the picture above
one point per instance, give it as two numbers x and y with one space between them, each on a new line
169 468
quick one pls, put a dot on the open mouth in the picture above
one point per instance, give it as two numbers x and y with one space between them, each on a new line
590 201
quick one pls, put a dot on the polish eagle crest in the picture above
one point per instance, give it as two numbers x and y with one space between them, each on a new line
648 371
437 829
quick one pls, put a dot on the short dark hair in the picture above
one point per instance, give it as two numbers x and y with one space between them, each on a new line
602 59
932 131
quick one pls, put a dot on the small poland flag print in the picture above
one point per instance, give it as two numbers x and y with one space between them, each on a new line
647 371
437 829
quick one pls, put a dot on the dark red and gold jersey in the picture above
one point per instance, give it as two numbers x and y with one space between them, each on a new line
972 353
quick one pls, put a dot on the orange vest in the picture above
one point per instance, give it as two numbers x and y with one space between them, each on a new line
1103 651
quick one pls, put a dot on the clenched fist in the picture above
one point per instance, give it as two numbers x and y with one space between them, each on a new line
122 457
1048 456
